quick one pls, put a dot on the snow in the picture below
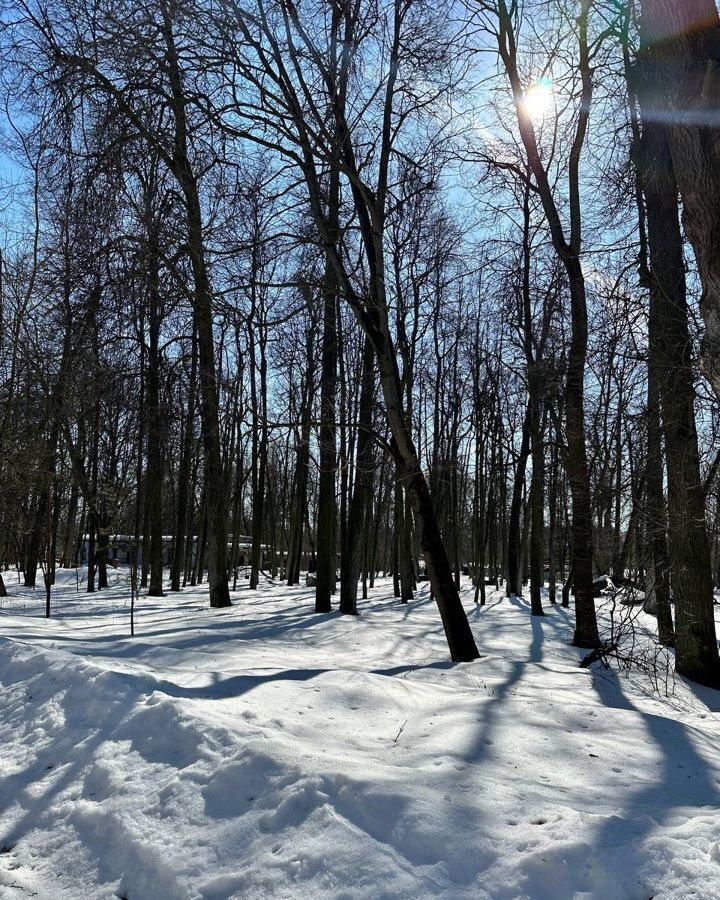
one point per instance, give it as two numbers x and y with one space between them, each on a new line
266 751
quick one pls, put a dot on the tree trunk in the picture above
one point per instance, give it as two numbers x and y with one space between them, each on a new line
327 505
691 576
351 560
537 497
68 554
680 43
153 484
184 477
659 565
203 320
514 543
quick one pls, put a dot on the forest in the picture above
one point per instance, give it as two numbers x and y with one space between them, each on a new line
406 308
376 289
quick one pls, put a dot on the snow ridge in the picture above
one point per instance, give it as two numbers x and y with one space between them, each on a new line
269 752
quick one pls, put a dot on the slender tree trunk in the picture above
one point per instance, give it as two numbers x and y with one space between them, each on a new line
514 544
659 567
203 320
153 489
259 445
552 528
351 560
71 526
327 505
185 477
537 497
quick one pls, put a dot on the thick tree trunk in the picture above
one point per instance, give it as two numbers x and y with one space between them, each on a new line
214 492
691 576
681 43
407 567
657 592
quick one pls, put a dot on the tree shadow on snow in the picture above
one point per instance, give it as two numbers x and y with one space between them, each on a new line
677 790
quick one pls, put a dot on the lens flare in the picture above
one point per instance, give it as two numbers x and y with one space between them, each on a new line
538 99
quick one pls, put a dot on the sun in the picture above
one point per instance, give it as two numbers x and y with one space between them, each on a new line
538 99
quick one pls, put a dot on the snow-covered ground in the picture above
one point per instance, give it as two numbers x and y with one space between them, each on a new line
266 751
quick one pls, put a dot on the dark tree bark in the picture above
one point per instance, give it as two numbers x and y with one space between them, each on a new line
568 252
327 504
659 565
68 555
371 308
514 543
351 557
691 576
658 582
681 49
185 476
258 397
552 526
154 477
182 168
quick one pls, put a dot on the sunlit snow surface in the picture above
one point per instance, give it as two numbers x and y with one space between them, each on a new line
266 751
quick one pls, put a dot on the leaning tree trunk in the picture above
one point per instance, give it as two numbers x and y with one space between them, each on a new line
372 313
457 629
